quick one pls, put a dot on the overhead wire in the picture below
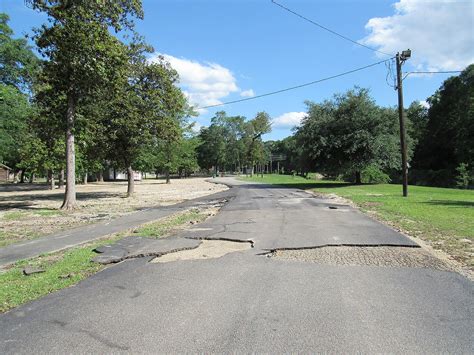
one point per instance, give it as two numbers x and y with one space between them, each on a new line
431 72
296 86
329 30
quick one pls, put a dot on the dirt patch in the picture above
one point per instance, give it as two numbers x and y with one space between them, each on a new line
208 249
30 211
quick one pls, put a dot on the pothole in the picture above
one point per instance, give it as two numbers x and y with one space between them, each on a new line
384 256
208 249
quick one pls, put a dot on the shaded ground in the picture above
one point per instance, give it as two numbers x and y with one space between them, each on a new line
29 211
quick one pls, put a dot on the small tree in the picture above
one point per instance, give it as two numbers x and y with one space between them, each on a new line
464 176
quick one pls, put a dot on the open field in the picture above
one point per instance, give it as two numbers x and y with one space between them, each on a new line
66 268
29 211
444 218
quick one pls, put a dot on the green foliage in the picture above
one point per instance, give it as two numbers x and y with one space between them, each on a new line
15 110
373 175
231 142
348 134
447 141
464 176
18 64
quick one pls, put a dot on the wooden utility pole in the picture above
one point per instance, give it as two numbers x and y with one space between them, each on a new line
401 115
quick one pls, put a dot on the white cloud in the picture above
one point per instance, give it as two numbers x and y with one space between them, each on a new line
424 103
247 93
439 33
203 84
197 127
288 120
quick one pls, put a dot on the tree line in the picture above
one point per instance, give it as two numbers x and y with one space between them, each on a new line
350 137
91 100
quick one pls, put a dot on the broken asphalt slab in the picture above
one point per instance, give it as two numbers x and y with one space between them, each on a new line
80 235
136 247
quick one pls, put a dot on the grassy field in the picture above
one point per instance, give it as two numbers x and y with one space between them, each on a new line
67 268
443 217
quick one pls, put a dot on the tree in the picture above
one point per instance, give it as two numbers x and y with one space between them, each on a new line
146 112
18 64
447 141
211 151
254 130
348 134
82 56
15 110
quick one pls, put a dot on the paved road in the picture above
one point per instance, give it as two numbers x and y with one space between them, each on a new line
245 302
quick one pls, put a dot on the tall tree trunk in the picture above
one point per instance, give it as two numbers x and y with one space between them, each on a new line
69 202
100 176
358 178
22 176
131 182
32 178
167 176
51 179
61 179
85 178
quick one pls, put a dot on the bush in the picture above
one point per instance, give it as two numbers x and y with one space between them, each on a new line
464 176
374 175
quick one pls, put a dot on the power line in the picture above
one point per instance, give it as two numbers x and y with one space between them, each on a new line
297 86
432 72
329 30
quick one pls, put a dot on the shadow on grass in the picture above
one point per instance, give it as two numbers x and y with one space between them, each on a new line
450 203
25 201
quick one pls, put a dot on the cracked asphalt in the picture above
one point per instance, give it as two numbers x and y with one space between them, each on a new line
248 302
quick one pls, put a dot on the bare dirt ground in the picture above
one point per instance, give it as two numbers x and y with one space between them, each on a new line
28 211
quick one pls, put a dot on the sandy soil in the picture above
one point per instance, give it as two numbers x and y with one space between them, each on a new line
28 211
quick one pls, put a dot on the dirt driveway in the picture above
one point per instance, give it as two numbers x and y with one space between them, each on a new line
30 210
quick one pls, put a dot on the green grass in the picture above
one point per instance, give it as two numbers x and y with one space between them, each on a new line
163 227
444 217
48 212
62 269
12 216
67 268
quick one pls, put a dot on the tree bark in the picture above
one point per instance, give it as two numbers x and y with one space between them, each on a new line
22 176
69 202
358 178
51 179
167 173
61 179
32 178
85 178
100 176
131 182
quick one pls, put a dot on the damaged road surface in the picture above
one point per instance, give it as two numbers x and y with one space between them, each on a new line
320 277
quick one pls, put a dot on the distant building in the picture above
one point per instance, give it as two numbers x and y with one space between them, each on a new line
114 174
4 173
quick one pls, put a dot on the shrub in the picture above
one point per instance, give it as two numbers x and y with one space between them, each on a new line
374 175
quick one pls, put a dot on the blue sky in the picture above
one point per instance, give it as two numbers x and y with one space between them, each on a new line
228 49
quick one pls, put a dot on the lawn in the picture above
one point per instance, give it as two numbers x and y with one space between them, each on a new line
443 217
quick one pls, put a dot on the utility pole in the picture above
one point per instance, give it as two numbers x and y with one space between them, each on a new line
400 58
